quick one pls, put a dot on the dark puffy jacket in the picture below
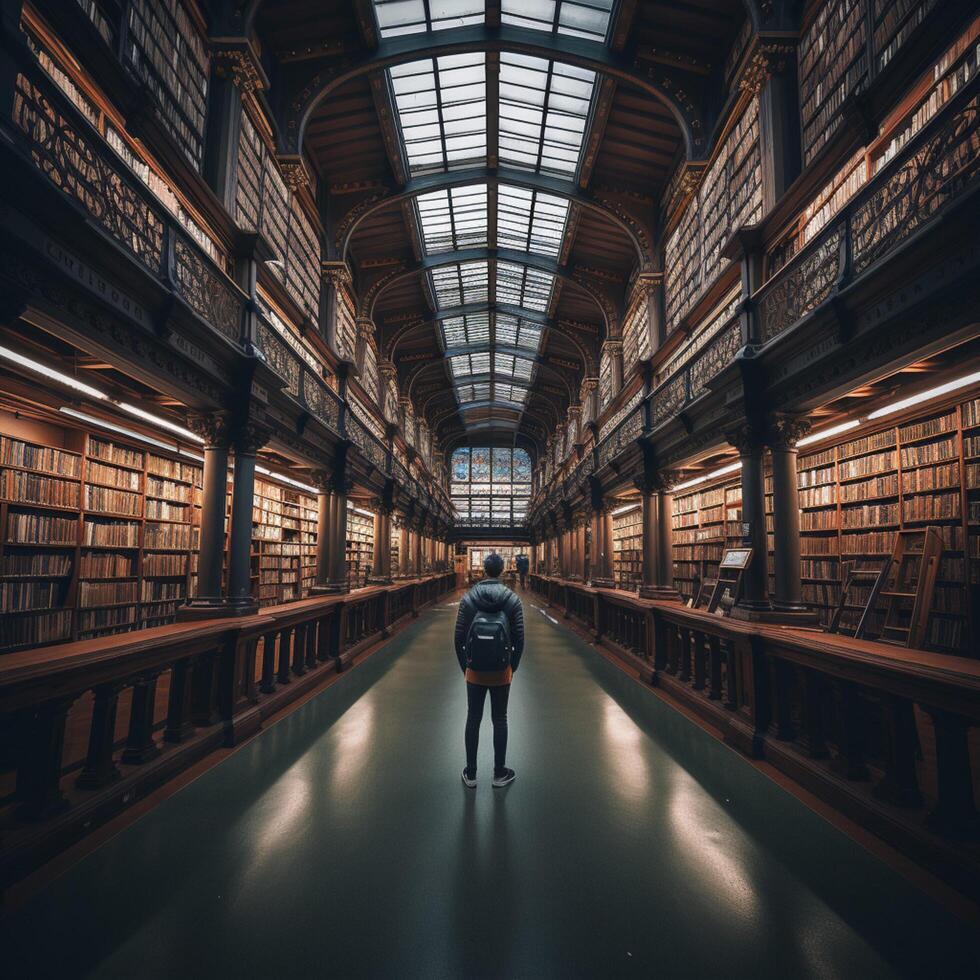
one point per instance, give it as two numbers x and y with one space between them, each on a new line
490 595
523 565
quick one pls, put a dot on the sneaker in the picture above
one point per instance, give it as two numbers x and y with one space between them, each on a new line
503 777
469 779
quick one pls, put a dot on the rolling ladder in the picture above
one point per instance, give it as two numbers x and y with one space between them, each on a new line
908 576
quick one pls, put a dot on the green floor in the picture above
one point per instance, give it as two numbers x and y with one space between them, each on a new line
341 843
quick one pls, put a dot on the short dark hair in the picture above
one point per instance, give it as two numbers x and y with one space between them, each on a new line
493 564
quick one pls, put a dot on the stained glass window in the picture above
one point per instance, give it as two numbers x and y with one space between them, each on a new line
494 489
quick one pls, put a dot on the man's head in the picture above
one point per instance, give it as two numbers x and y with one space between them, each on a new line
493 565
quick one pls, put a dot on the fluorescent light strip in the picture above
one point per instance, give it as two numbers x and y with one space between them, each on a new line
286 479
834 430
927 395
156 420
624 510
38 368
93 420
714 474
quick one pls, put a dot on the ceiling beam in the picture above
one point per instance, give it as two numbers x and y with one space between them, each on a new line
633 226
305 85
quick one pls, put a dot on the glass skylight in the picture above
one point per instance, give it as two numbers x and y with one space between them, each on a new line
544 106
530 221
459 284
578 18
468 364
516 367
399 17
453 219
462 331
442 110
512 331
473 392
509 393
521 285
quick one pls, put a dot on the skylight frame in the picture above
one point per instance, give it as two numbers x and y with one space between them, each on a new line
523 285
588 19
461 283
544 109
531 220
397 18
454 218
441 105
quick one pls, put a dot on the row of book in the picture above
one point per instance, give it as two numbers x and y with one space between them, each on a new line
15 452
49 563
168 490
869 465
112 476
16 631
110 501
108 564
930 452
939 506
23 486
111 453
31 528
24 596
105 593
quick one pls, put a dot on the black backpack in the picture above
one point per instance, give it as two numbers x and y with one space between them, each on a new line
488 641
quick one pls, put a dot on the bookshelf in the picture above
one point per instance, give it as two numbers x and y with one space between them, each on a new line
628 548
95 540
703 521
854 498
395 558
360 547
832 63
283 543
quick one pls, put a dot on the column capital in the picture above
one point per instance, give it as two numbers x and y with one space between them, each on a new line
657 481
612 347
785 431
214 428
249 437
747 438
236 60
365 327
769 58
294 171
337 274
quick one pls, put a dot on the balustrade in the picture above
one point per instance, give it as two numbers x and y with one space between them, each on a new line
878 731
186 690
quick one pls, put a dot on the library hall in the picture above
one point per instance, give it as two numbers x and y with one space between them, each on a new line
622 356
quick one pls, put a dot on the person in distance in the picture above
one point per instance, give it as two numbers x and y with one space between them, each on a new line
489 642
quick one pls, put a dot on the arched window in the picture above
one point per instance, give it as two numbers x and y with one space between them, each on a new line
490 487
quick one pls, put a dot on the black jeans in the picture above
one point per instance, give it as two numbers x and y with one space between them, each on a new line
476 694
523 575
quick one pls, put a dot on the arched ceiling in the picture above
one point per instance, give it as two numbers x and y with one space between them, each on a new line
492 172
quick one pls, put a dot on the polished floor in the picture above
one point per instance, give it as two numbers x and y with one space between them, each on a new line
341 843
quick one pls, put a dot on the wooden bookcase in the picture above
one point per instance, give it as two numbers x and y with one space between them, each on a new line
854 497
628 549
283 542
360 548
96 539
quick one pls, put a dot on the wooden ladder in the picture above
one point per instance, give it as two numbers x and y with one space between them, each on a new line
908 576
857 578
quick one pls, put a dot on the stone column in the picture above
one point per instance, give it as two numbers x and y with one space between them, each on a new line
247 439
208 598
381 556
783 436
772 76
404 549
332 549
580 565
417 550
589 396
601 571
335 277
753 602
321 479
614 348
658 566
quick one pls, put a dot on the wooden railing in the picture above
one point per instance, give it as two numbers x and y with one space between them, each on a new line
880 732
937 166
90 727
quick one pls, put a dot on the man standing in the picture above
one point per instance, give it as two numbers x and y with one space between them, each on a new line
489 642
522 568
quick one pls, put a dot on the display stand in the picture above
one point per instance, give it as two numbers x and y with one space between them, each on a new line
730 571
